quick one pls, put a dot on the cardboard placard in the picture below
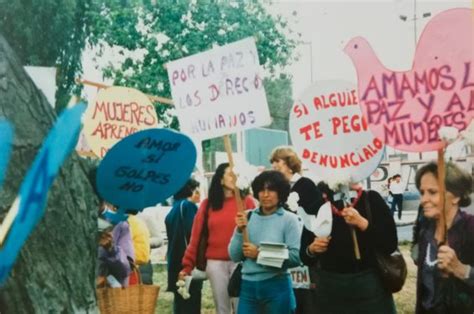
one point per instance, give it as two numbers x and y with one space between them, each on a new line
300 277
145 168
28 208
116 113
219 91
406 109
330 134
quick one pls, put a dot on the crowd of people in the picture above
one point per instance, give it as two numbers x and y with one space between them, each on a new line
124 249
344 267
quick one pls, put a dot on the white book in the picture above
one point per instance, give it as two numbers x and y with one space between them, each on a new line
272 263
272 254
283 254
276 265
272 246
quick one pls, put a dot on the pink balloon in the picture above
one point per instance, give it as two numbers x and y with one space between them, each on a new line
406 109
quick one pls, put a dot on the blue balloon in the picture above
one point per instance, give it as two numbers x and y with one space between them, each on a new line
59 143
146 168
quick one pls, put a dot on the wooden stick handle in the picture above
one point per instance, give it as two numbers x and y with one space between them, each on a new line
228 149
160 99
351 228
442 192
238 199
356 244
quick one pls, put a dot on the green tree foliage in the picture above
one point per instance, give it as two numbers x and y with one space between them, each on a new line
48 33
167 30
55 32
280 96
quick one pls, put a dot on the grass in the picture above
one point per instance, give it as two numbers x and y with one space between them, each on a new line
404 300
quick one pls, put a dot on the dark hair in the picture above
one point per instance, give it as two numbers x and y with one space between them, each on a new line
132 211
457 180
417 226
325 189
216 191
396 176
274 181
187 190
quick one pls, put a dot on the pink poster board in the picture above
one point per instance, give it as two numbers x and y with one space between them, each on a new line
406 109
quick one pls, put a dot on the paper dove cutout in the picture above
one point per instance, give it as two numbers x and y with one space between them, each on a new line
187 283
468 134
405 109
448 134
183 287
321 225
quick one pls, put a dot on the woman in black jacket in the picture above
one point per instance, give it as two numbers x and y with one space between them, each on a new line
344 283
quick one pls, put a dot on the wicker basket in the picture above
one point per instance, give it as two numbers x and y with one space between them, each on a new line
133 299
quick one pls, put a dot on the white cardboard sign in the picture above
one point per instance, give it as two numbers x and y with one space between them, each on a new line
219 91
116 113
330 134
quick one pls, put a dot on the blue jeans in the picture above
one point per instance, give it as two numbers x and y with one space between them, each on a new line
271 296
397 202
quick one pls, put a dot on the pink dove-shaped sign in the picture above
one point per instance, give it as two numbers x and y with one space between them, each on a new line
406 109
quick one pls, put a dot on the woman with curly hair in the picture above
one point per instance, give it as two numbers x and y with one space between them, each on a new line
266 289
285 160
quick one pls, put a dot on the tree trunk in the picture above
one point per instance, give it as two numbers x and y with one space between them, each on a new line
55 270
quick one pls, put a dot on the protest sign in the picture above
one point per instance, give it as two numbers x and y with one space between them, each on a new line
331 135
6 138
145 168
406 109
28 208
219 91
116 113
300 277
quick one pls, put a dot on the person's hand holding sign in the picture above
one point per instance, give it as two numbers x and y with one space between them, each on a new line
319 245
249 249
241 221
353 218
449 263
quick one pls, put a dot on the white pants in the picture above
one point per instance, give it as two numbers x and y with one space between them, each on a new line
219 273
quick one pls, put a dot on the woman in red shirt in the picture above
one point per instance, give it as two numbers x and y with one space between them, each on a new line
220 208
